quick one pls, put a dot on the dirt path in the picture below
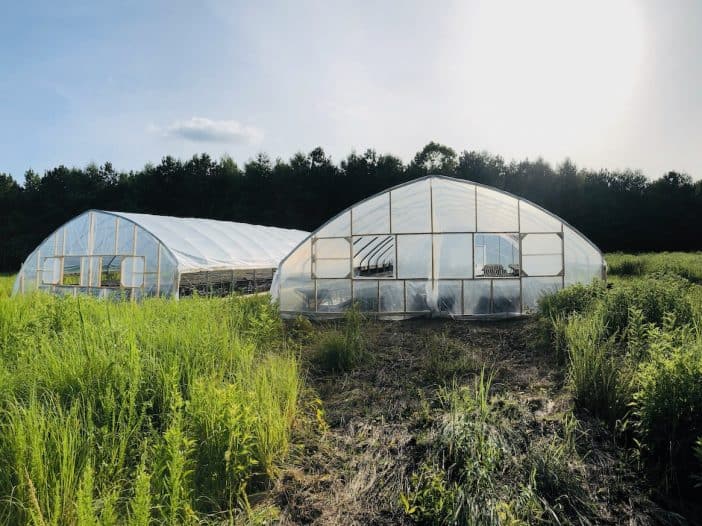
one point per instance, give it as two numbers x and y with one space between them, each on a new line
376 415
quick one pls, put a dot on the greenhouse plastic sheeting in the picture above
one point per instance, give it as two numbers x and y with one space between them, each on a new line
206 244
435 246
114 253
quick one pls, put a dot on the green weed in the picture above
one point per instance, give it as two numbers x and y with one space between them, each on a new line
635 357
575 299
593 368
445 358
483 470
342 350
687 265
667 404
161 411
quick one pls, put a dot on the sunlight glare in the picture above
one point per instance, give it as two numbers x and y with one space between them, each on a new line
551 63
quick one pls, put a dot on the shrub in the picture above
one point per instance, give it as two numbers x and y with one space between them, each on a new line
654 298
576 298
625 265
668 406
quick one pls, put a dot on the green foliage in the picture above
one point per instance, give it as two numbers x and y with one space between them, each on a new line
330 352
667 403
353 332
593 368
653 297
140 505
301 329
121 413
173 468
445 358
577 299
6 283
686 265
85 514
635 358
433 499
484 470
223 429
557 331
342 350
625 265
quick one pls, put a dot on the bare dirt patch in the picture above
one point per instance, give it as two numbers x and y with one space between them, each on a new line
378 416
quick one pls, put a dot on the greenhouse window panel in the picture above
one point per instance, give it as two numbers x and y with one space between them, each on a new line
436 246
132 256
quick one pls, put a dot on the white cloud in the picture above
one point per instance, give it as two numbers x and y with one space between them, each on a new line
200 129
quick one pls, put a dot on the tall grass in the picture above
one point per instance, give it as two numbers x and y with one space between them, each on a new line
685 264
635 357
113 413
667 403
484 470
593 369
6 283
342 350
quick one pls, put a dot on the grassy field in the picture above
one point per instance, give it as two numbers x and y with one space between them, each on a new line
687 265
164 411
6 282
633 356
212 411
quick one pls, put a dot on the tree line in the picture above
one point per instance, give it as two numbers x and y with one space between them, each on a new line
618 210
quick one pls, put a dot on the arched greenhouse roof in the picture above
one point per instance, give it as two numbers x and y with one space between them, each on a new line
117 253
208 244
435 245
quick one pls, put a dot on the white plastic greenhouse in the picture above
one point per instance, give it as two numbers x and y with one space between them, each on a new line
435 246
134 255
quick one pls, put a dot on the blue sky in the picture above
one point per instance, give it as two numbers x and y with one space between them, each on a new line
610 84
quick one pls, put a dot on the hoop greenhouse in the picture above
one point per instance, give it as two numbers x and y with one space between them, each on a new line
134 255
435 246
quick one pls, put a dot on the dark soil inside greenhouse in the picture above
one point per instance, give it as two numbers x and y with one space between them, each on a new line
373 420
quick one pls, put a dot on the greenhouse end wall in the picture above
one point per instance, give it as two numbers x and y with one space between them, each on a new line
435 246
100 254
127 255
